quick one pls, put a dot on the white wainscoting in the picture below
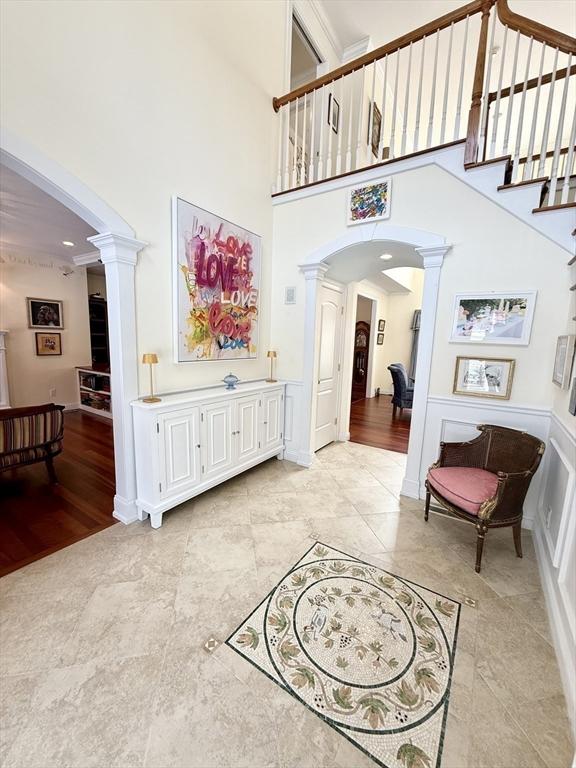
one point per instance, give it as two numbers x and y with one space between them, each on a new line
555 541
452 419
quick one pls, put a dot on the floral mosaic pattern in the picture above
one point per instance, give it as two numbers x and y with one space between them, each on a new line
369 652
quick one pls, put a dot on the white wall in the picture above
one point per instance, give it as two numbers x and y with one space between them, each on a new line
491 250
147 99
96 284
364 310
31 377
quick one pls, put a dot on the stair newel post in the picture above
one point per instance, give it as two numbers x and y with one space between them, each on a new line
473 131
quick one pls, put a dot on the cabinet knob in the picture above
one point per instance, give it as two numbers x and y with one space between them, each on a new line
265 422
198 446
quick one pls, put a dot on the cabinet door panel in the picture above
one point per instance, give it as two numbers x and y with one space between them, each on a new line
217 439
179 441
272 419
246 428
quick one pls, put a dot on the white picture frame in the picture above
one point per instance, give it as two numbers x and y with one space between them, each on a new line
369 202
493 317
563 360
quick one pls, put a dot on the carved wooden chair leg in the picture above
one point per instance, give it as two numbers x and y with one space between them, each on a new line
427 507
393 411
51 471
517 531
481 529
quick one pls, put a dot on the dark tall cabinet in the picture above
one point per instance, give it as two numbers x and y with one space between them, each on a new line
99 332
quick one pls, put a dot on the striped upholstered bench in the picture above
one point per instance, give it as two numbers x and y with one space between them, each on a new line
30 434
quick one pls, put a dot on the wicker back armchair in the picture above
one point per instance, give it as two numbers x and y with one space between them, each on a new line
485 480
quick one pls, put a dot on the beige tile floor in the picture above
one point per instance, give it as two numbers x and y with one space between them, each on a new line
101 648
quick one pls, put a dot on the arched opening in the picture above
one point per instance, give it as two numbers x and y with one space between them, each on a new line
332 273
116 248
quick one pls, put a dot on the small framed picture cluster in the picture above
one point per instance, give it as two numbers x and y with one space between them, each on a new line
380 336
46 315
492 318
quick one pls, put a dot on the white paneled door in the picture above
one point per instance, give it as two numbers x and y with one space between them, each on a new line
272 419
329 351
245 431
180 450
217 439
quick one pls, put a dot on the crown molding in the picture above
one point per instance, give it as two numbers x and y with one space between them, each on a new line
327 27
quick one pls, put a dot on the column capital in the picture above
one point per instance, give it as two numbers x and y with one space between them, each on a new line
314 271
117 248
433 256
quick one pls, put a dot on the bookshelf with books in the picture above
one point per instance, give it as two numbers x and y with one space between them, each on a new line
95 393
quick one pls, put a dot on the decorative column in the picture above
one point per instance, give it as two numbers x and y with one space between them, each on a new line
4 392
119 255
432 259
314 276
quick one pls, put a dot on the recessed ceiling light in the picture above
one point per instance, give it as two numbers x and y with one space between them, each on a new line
68 243
386 256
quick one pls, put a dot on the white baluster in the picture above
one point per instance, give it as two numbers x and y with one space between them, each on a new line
485 103
323 125
313 129
528 165
304 131
546 130
446 81
288 110
360 120
406 102
433 94
569 162
369 156
419 99
384 111
498 97
394 105
295 145
280 118
461 83
350 82
558 144
511 97
516 160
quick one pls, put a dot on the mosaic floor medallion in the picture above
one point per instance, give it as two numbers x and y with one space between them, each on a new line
370 653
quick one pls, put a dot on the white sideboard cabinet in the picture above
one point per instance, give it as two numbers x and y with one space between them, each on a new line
192 441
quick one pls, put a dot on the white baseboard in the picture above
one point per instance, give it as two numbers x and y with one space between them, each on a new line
410 488
125 510
305 458
71 406
291 455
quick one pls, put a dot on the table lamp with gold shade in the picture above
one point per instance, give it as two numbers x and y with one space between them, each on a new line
272 355
150 358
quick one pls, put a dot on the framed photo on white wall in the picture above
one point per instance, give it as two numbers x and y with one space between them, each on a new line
563 360
503 317
483 377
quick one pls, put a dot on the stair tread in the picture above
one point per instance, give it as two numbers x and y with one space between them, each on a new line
541 180
560 206
507 158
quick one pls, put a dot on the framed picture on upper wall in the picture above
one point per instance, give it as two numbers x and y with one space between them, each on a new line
333 113
48 344
563 361
381 325
483 377
216 276
45 313
370 202
493 318
374 127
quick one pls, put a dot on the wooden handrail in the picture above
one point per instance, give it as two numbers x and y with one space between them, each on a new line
534 29
384 50
519 87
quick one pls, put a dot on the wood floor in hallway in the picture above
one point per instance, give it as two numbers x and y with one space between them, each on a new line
371 423
37 518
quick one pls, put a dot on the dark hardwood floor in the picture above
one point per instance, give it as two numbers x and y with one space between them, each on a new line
37 518
371 423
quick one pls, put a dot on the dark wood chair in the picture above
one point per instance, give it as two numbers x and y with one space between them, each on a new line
485 481
31 434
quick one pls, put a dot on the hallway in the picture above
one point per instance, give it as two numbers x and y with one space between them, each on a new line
371 424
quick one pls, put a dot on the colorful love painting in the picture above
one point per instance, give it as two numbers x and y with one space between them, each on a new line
217 278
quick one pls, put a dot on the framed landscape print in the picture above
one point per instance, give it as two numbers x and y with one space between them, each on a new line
333 113
370 202
48 344
374 127
563 360
216 286
45 313
483 377
493 318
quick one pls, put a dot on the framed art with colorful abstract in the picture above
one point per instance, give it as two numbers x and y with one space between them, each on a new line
370 202
216 286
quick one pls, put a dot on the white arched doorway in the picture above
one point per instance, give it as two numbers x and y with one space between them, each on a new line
431 248
117 248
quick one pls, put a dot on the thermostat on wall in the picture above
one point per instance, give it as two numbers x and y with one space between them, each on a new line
290 295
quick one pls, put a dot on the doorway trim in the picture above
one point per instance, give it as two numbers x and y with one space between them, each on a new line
118 250
432 248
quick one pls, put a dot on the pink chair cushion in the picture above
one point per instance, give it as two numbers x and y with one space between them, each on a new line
465 487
